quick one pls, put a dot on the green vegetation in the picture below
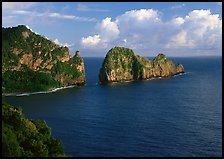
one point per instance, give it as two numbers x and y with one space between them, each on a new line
27 80
22 137
15 39
137 69
64 68
160 58
31 62
121 64
118 56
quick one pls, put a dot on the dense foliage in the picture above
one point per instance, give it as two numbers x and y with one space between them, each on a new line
27 80
22 137
31 62
118 56
12 38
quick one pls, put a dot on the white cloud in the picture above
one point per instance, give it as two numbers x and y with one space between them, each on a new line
87 8
147 32
61 44
139 15
107 32
129 25
91 40
22 12
53 15
57 15
200 29
107 29
180 40
57 41
178 21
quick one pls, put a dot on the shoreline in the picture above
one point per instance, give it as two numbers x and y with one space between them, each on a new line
40 92
66 87
147 79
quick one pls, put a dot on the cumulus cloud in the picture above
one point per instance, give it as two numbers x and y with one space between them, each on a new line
144 31
91 40
178 21
107 32
199 29
108 29
180 40
63 44
139 15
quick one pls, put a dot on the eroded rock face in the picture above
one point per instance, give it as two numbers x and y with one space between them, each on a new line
180 68
121 64
65 58
25 34
37 63
163 67
27 59
28 51
117 66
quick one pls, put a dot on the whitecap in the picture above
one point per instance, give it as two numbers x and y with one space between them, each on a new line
42 92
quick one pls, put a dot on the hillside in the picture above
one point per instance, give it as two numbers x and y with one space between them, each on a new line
22 137
31 62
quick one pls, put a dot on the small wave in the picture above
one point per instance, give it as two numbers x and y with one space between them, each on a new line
128 81
150 78
42 92
181 74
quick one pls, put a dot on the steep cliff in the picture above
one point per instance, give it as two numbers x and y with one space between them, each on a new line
31 62
121 64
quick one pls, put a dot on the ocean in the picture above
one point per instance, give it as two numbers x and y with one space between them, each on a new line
177 116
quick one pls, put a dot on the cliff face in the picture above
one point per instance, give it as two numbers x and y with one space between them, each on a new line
121 64
24 51
72 79
117 65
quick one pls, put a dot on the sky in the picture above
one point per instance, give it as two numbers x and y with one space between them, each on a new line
93 28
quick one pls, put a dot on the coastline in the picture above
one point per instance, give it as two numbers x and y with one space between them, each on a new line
66 87
40 92
147 79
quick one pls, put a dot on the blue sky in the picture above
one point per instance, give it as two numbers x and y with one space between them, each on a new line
174 28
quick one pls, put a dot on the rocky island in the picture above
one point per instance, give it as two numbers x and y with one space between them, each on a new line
31 62
121 64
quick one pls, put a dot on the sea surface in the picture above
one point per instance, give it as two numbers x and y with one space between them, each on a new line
178 116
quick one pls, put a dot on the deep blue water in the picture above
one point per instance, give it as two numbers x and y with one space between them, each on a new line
179 116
